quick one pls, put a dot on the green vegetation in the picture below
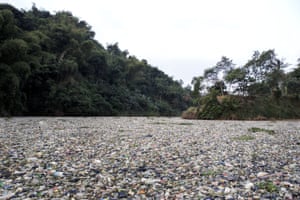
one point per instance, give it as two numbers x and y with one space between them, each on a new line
244 138
181 123
50 64
268 186
210 172
258 90
158 123
185 123
256 129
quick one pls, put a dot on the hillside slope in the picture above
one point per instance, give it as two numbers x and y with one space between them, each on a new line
50 64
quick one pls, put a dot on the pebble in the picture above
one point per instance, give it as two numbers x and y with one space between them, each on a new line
249 186
262 175
7 196
58 174
147 158
288 196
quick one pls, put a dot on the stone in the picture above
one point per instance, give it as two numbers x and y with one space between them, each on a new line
151 158
262 175
7 196
122 194
58 174
249 186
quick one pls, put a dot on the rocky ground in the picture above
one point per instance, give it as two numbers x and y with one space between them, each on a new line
148 158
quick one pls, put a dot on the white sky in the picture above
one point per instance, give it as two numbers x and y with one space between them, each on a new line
184 37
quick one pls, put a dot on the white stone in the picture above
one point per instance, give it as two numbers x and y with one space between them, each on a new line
249 186
262 174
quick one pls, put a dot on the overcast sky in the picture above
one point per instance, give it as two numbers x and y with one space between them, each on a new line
184 37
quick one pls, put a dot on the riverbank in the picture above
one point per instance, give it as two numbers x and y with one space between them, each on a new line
148 157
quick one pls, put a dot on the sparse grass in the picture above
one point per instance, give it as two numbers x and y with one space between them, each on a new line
178 123
256 129
244 138
185 123
158 123
268 186
209 172
39 194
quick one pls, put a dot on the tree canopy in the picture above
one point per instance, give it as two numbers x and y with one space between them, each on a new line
259 89
50 64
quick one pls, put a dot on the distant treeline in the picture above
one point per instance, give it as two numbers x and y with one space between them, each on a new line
50 64
260 89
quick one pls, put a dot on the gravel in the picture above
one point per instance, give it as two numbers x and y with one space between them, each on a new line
148 158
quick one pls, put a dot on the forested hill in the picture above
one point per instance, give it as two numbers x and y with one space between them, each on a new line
50 64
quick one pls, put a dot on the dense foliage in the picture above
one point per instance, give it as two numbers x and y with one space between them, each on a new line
50 64
260 89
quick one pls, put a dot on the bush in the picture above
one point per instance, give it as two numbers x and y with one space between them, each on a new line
248 108
212 110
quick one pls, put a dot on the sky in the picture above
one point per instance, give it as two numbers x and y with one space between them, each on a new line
185 37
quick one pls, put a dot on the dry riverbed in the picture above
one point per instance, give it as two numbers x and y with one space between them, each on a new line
148 158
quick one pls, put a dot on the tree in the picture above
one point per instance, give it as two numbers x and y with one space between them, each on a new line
219 87
51 64
13 50
9 91
8 26
237 77
219 72
264 70
224 66
292 82
197 88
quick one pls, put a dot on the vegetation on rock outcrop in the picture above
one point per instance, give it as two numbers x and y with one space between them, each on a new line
260 89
